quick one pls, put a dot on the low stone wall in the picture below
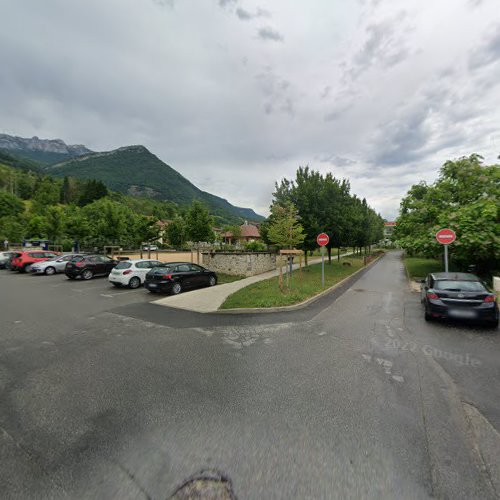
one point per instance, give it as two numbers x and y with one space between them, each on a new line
240 263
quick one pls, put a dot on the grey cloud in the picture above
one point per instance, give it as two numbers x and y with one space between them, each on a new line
325 92
338 161
270 34
277 92
225 3
384 45
245 15
488 52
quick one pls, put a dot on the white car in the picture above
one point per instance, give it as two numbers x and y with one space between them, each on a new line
132 273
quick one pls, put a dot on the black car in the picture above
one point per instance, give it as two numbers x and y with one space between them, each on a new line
174 277
459 296
88 266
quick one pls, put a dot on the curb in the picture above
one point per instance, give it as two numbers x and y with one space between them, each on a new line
300 305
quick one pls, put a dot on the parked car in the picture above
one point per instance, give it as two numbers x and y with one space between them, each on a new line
150 247
8 262
461 296
174 277
132 273
88 266
26 259
5 258
53 266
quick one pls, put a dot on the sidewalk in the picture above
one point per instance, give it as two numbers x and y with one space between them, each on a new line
205 300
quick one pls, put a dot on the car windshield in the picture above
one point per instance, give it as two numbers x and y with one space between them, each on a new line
77 259
123 265
460 286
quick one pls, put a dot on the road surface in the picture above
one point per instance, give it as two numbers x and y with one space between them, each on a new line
104 395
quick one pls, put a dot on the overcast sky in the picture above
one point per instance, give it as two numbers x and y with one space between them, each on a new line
235 94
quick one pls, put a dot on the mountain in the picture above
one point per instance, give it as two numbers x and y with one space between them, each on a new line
41 150
133 170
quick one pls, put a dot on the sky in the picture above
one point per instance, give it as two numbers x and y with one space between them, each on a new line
236 94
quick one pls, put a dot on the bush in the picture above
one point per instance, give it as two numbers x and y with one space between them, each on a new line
255 246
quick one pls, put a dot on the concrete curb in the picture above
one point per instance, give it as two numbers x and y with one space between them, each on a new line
300 305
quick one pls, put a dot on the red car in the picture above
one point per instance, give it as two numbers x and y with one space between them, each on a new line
30 257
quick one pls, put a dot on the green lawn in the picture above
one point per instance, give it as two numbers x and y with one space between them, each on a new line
228 278
419 267
268 294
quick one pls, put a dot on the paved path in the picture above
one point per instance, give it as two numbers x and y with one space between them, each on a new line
207 300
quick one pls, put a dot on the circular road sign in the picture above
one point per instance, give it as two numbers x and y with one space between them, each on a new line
322 239
446 236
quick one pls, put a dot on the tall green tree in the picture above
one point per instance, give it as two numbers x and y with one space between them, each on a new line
10 204
92 190
47 193
285 231
465 198
199 223
176 232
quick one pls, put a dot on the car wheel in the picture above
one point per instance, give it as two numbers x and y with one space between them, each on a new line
87 274
176 288
70 277
50 271
24 268
134 282
427 316
212 281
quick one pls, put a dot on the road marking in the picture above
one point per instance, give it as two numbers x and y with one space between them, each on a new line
105 295
322 333
398 378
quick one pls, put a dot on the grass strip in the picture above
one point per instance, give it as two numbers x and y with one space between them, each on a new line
267 293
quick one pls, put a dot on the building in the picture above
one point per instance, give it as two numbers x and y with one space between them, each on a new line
388 231
249 232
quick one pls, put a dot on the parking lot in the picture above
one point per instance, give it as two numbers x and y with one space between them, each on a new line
59 303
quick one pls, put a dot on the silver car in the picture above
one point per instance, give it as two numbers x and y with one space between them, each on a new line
53 266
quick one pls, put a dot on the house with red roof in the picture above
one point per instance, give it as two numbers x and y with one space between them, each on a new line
249 232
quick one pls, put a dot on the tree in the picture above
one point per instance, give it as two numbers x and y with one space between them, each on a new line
199 223
325 204
37 226
92 190
47 193
12 228
146 229
466 199
10 204
176 232
285 231
54 223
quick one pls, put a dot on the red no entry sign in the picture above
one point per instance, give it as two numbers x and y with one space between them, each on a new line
446 236
322 239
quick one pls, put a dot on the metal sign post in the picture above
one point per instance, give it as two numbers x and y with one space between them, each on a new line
446 237
323 267
322 239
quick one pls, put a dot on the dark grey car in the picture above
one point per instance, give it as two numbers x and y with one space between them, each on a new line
459 296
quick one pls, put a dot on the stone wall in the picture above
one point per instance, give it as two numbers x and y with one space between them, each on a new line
240 263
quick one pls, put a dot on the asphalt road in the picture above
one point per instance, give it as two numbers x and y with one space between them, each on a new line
104 395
